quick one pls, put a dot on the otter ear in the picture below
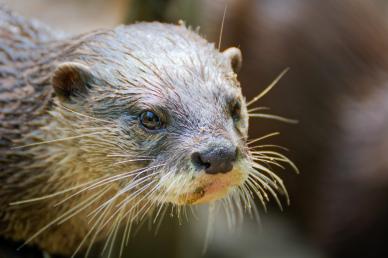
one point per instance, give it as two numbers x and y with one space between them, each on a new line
235 57
71 80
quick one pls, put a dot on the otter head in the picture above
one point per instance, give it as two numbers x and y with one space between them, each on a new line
158 116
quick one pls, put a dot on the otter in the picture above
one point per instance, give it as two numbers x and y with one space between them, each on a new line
102 130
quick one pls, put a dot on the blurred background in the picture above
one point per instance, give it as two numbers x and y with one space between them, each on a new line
337 88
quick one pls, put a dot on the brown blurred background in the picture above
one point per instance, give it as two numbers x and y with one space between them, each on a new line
337 88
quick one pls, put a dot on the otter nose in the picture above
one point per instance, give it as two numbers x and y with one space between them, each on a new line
215 160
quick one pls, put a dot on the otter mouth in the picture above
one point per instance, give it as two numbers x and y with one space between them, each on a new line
208 188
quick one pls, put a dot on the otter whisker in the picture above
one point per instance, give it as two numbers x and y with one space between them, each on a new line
139 225
130 160
259 188
51 195
153 199
236 197
193 212
183 183
163 214
121 207
108 180
269 172
136 182
74 210
268 88
272 192
124 202
244 199
275 196
83 115
210 225
269 184
268 161
263 137
232 210
125 237
264 180
222 27
281 156
161 206
156 187
101 224
119 193
95 198
178 213
171 185
274 117
234 204
242 191
259 192
257 109
153 167
97 222
255 186
185 213
232 213
56 193
246 192
253 211
265 174
112 235
228 213
128 155
115 233
152 191
90 187
129 229
157 197
135 194
268 146
151 204
57 140
125 234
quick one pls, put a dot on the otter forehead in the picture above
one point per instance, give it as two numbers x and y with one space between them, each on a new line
159 49
156 39
162 64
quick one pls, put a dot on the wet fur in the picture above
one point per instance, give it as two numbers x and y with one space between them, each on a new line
82 167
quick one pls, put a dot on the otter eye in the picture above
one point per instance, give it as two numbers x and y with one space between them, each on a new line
235 110
150 120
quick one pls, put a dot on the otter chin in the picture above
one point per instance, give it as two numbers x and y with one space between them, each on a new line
208 188
106 128
218 186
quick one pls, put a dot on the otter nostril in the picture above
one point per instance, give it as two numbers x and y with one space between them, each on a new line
215 160
198 162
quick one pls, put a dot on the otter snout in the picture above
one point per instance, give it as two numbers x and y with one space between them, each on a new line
216 159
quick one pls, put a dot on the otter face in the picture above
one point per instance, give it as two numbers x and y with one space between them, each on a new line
172 122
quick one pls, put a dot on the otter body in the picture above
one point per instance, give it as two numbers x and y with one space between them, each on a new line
103 129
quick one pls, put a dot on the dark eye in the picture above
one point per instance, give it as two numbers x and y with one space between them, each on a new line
235 110
150 120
